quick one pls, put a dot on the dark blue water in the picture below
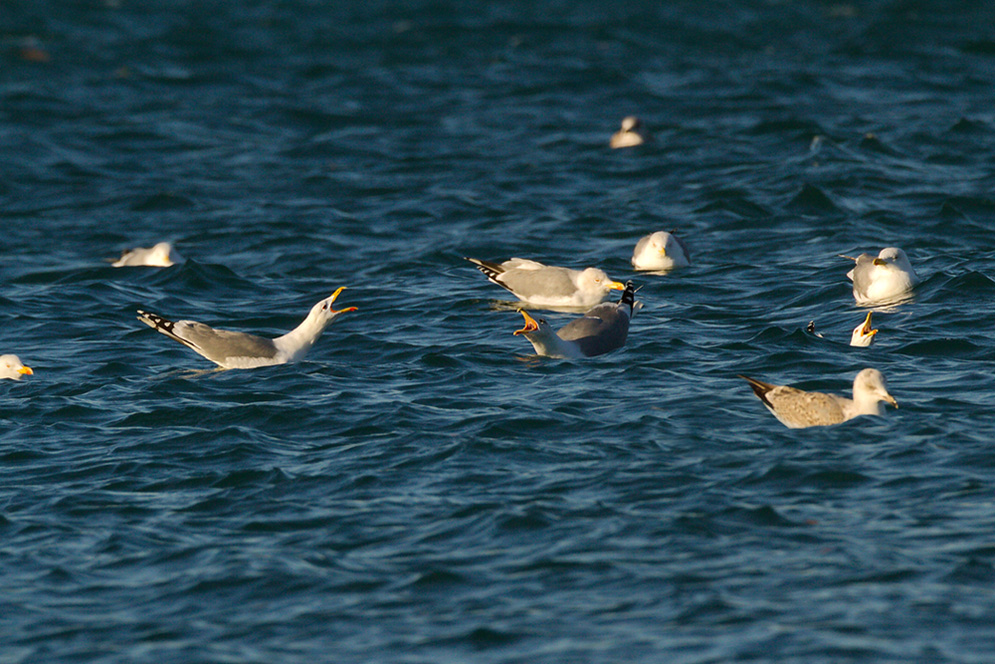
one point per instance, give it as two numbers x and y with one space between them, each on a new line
422 488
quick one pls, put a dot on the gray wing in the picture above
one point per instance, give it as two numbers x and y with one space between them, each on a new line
861 273
602 329
216 345
544 282
684 247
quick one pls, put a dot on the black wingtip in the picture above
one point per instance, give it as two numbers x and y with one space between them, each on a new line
760 388
629 295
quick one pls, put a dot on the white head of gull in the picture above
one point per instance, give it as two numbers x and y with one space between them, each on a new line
863 334
11 367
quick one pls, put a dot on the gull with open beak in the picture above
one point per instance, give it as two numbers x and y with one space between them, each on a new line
863 334
238 350
12 368
601 330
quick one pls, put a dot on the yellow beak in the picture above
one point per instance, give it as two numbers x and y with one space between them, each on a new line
615 285
335 296
26 371
530 324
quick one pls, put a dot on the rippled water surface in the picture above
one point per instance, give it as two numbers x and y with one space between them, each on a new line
423 488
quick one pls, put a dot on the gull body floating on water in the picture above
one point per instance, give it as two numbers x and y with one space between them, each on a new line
161 255
630 135
797 409
882 278
11 367
238 350
549 286
660 251
601 330
863 334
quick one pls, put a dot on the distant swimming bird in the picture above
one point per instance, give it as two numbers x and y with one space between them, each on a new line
549 286
660 251
11 367
863 334
601 330
630 135
797 409
888 276
161 255
238 350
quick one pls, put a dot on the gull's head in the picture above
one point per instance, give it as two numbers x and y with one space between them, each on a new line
870 383
863 334
893 256
631 123
324 309
11 367
595 279
533 326
162 255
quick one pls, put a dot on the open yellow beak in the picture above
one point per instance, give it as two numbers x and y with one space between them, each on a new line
530 324
866 330
335 296
25 371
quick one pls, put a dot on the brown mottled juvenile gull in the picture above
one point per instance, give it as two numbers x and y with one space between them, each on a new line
630 134
660 251
11 367
601 330
238 350
549 286
161 255
797 409
882 278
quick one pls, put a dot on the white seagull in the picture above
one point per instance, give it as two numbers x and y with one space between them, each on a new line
660 251
161 255
11 367
797 409
238 350
601 330
883 278
549 286
630 135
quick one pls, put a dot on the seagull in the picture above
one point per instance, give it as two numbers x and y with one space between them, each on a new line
161 255
11 367
549 286
660 251
602 329
238 350
797 409
630 135
883 278
863 334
